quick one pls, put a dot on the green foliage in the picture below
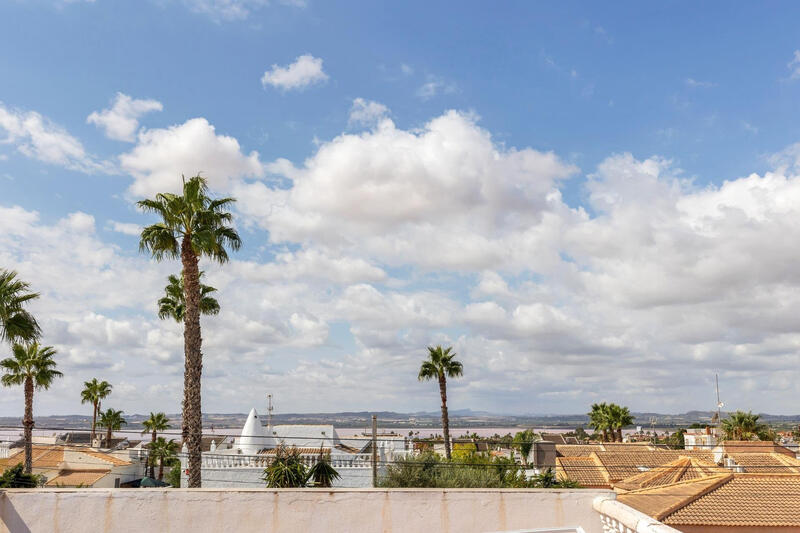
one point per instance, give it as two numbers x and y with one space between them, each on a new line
745 426
287 470
16 478
440 363
523 443
676 440
163 453
157 422
322 474
16 323
173 303
174 476
609 419
429 470
32 361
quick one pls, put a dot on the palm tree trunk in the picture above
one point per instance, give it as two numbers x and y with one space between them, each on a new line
27 423
94 423
108 436
605 435
619 433
160 469
192 342
445 418
152 447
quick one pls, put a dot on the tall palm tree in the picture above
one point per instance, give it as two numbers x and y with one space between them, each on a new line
440 365
173 303
618 417
157 422
34 368
523 441
192 225
94 392
744 426
164 452
599 419
112 420
16 323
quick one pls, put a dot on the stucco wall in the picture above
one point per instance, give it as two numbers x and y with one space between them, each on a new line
295 510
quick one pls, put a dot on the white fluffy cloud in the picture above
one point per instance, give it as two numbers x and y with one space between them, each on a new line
794 65
304 72
121 120
366 112
162 155
38 138
231 10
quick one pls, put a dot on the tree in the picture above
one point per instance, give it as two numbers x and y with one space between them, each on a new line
112 420
15 478
599 419
322 474
173 303
33 367
157 422
163 452
618 417
286 470
745 426
94 392
523 442
193 225
17 325
440 365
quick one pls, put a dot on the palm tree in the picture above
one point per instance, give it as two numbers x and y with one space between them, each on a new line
440 365
322 474
16 323
286 470
157 422
94 392
192 225
523 441
34 368
623 417
163 451
744 426
599 419
173 303
112 420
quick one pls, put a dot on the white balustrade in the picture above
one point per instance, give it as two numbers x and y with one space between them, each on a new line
210 460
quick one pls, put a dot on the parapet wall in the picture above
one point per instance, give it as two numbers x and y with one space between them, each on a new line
296 510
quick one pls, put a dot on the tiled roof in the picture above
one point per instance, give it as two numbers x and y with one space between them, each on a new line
767 463
305 451
43 457
573 450
105 457
75 478
727 500
626 463
585 470
682 469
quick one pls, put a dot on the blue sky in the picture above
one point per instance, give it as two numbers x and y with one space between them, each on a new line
641 260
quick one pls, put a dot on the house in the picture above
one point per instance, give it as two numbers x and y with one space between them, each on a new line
729 502
705 438
73 466
241 462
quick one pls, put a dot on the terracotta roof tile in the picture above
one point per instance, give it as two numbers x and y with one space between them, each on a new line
626 463
682 469
585 470
574 450
726 500
105 457
767 463
74 478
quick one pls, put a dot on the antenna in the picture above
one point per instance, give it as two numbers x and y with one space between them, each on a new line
719 406
269 410
653 421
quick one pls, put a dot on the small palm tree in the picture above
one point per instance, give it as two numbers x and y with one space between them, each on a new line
164 452
286 470
34 368
599 419
94 392
322 474
112 420
157 422
440 365
16 323
523 442
173 303
745 426
193 225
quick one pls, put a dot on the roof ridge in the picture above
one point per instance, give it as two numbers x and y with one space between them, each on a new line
714 485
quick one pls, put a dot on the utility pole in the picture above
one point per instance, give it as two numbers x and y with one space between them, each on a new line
374 451
719 408
269 411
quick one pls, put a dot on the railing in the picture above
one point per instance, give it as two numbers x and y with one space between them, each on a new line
209 460
616 517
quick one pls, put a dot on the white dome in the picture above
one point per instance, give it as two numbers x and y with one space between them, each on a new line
254 435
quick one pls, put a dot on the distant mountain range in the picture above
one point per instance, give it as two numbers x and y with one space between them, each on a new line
459 418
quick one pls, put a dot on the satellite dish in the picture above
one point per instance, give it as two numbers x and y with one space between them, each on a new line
721 405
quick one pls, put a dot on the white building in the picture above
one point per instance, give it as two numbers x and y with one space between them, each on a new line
242 462
703 439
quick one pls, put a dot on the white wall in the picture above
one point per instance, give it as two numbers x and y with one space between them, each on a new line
295 510
252 478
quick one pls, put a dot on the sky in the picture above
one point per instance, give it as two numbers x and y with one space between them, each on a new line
589 202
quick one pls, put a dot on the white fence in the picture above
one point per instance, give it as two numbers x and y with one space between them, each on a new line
221 460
